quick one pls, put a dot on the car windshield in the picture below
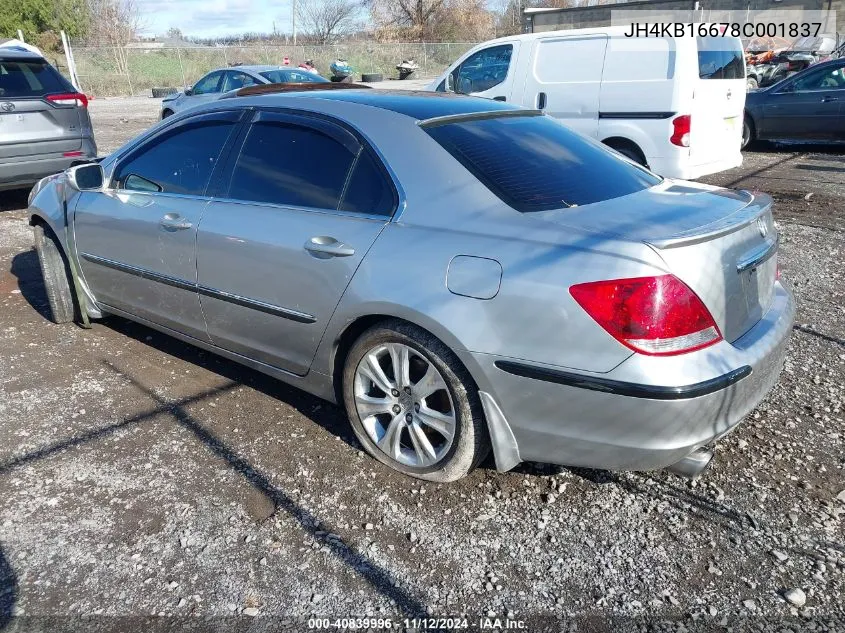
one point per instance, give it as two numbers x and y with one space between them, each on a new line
292 76
30 78
535 163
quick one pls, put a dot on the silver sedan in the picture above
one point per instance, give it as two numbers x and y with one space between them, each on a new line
219 82
462 275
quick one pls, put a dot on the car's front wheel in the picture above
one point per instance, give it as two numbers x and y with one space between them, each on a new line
56 272
412 404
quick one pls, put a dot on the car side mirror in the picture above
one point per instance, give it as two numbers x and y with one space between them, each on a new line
88 177
189 92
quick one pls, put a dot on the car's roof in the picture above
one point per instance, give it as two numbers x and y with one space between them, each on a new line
259 68
415 104
16 52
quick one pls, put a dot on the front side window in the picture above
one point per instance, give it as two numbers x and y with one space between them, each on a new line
720 58
36 78
237 80
208 84
824 79
534 163
291 165
180 162
483 70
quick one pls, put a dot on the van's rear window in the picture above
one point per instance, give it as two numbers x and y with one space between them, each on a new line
30 78
720 58
535 163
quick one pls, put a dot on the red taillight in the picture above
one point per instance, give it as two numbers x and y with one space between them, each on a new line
69 99
680 130
657 316
72 154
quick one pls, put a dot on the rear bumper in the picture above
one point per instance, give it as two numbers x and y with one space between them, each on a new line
683 169
647 413
17 173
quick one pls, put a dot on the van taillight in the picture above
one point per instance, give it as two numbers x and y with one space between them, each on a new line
656 316
69 99
680 133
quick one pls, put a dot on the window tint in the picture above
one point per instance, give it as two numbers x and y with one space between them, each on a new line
825 79
291 165
368 190
181 162
30 79
237 80
484 70
208 84
720 58
298 76
534 163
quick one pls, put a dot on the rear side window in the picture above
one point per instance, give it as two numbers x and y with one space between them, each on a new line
720 58
368 190
291 165
534 163
181 162
30 78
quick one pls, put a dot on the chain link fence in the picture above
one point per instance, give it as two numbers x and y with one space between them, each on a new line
109 72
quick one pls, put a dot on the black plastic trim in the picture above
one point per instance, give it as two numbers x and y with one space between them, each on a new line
635 115
618 388
228 297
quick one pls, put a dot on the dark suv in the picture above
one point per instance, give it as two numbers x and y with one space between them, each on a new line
44 122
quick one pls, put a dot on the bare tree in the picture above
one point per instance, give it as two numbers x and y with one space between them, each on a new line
406 18
115 23
326 20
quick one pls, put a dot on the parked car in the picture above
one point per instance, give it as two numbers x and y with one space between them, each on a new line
218 82
673 104
771 67
809 106
461 274
44 122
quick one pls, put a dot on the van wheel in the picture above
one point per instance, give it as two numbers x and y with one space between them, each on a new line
56 272
412 404
747 132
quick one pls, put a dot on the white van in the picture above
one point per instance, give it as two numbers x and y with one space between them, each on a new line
673 104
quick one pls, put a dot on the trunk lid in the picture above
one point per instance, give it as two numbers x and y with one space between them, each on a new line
721 243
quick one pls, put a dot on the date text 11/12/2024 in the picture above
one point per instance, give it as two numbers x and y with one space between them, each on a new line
419 624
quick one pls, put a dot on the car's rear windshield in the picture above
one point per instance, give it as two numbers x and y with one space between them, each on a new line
30 78
720 58
535 163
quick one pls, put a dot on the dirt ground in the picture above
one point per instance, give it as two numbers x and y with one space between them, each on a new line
145 484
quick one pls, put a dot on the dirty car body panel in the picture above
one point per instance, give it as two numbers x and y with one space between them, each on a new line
421 237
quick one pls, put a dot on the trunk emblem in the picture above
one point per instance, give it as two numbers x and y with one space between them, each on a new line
7 106
763 227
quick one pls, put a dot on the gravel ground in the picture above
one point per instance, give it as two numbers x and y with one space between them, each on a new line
142 478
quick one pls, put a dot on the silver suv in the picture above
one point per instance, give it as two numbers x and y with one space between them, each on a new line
44 122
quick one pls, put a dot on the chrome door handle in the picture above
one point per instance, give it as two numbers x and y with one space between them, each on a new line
174 222
324 247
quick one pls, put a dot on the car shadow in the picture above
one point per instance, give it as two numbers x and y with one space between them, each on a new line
26 268
8 590
14 200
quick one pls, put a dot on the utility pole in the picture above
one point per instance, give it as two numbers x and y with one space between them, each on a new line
293 20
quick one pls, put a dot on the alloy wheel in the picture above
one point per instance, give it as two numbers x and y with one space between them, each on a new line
404 405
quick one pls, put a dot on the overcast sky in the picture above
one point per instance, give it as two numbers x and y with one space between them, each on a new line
210 18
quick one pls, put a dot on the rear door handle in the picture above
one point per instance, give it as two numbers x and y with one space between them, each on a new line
323 247
174 222
828 99
499 98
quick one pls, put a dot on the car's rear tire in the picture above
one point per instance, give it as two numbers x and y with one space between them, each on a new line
748 133
372 77
56 272
431 412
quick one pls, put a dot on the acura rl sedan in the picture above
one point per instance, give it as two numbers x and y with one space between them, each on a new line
461 274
